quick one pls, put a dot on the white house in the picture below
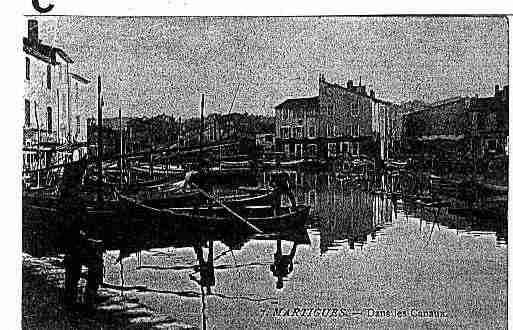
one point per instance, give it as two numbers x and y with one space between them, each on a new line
54 113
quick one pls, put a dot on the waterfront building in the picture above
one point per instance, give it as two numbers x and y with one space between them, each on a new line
265 141
342 121
54 112
461 126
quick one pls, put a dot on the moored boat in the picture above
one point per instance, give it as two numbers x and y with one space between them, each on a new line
216 219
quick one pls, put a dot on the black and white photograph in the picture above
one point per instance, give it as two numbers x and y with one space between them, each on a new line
263 172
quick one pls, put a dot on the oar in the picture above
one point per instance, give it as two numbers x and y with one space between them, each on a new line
232 212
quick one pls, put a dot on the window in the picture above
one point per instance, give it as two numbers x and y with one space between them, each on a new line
49 119
356 148
299 150
347 130
344 146
286 149
355 130
354 109
27 68
284 132
330 110
49 76
332 149
298 132
311 131
311 150
331 130
78 125
27 113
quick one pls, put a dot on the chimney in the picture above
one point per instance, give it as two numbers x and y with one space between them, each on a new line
497 90
350 84
33 32
371 93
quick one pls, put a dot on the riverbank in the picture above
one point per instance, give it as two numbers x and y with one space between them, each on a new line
42 308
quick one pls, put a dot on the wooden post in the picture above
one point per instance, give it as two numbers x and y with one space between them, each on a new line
94 250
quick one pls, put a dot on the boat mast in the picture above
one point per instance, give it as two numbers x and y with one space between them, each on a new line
120 150
202 120
100 142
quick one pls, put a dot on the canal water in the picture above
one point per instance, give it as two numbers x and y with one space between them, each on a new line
366 260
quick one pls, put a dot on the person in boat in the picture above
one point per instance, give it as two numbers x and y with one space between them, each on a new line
280 182
190 179
283 264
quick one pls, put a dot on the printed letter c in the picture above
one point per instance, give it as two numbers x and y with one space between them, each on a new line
36 5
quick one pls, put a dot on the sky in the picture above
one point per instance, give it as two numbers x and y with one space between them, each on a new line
155 65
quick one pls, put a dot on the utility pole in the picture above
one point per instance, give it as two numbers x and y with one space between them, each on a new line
100 143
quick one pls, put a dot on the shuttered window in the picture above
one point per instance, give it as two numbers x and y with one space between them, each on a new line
49 118
27 113
27 68
49 76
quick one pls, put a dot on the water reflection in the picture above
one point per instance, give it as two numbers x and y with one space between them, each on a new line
222 276
204 267
353 210
283 264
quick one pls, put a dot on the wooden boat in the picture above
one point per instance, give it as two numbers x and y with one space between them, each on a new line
45 223
174 195
261 216
250 189
159 169
248 199
235 164
213 219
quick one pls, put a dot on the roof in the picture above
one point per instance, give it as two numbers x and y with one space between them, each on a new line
348 89
79 78
299 102
44 52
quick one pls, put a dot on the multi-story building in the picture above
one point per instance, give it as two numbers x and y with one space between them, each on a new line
340 121
54 112
461 126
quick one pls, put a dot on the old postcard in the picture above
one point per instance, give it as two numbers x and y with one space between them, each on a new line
262 172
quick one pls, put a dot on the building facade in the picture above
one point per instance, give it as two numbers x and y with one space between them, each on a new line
461 126
342 121
54 114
